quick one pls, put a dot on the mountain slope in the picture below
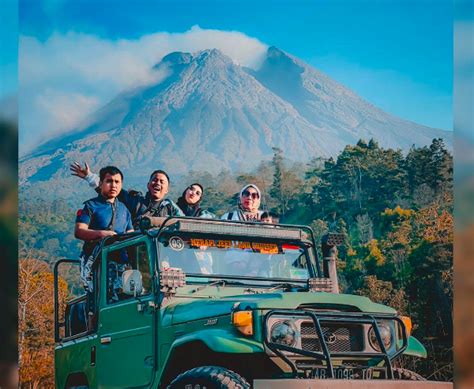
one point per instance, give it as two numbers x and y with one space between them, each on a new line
324 102
209 114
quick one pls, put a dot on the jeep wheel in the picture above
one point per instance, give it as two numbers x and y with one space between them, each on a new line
209 377
408 375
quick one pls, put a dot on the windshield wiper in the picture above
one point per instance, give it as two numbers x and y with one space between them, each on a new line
285 285
218 282
207 285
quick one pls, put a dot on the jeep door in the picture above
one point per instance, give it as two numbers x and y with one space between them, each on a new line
125 353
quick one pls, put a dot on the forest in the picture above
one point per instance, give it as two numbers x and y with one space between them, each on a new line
395 210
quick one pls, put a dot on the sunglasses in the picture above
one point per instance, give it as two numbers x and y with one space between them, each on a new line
197 192
253 195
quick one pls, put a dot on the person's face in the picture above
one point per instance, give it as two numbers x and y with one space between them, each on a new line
268 220
111 186
158 186
193 194
250 200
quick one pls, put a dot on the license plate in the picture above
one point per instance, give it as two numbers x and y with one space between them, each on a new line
344 373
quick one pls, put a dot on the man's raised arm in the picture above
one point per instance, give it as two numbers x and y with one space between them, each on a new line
85 173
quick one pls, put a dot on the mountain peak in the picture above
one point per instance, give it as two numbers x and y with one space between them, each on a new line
212 56
178 58
278 56
274 51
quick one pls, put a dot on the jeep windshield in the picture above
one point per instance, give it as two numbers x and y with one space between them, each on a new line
261 260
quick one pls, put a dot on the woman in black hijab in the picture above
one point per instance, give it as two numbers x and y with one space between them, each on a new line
190 202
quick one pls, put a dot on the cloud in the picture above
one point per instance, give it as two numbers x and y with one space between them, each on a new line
66 109
68 75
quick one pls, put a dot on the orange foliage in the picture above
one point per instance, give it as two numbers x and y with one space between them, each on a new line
36 322
375 254
436 226
383 292
398 221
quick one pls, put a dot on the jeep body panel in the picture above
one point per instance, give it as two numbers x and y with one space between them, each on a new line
77 361
221 341
415 348
181 311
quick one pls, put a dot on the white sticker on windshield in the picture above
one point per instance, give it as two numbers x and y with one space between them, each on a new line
176 243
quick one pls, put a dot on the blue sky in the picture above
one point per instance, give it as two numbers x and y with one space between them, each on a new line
8 47
395 53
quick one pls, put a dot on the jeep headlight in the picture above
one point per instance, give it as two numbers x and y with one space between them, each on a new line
284 332
385 334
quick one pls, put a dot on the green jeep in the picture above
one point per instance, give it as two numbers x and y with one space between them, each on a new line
202 303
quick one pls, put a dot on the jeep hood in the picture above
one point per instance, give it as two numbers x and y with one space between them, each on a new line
185 310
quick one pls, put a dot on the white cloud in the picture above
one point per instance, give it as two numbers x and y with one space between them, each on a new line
66 109
68 75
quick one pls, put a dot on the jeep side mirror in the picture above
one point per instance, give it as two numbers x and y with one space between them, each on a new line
132 283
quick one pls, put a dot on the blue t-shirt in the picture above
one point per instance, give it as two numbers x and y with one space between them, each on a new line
97 214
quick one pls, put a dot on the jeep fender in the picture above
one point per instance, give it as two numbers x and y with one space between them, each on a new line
415 348
221 341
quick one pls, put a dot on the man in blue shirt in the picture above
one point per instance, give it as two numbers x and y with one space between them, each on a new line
101 216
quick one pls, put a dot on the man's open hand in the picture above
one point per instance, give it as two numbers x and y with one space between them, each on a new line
78 170
105 233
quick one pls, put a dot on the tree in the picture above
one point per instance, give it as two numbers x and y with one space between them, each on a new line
276 188
383 292
365 228
431 166
36 322
286 184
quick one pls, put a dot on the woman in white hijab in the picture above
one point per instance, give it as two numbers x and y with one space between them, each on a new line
249 204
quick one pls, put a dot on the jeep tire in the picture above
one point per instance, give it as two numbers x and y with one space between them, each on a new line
209 377
405 374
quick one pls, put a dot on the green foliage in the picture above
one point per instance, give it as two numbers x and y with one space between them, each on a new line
430 166
286 185
48 228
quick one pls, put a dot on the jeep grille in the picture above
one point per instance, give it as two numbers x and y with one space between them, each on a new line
338 338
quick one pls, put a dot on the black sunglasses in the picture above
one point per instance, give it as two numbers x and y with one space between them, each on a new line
253 195
196 191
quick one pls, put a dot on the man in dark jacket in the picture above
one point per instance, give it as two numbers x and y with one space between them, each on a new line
154 203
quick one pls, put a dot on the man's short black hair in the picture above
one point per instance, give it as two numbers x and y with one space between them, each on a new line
159 171
112 170
275 217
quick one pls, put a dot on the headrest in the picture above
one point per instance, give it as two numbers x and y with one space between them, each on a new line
132 282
